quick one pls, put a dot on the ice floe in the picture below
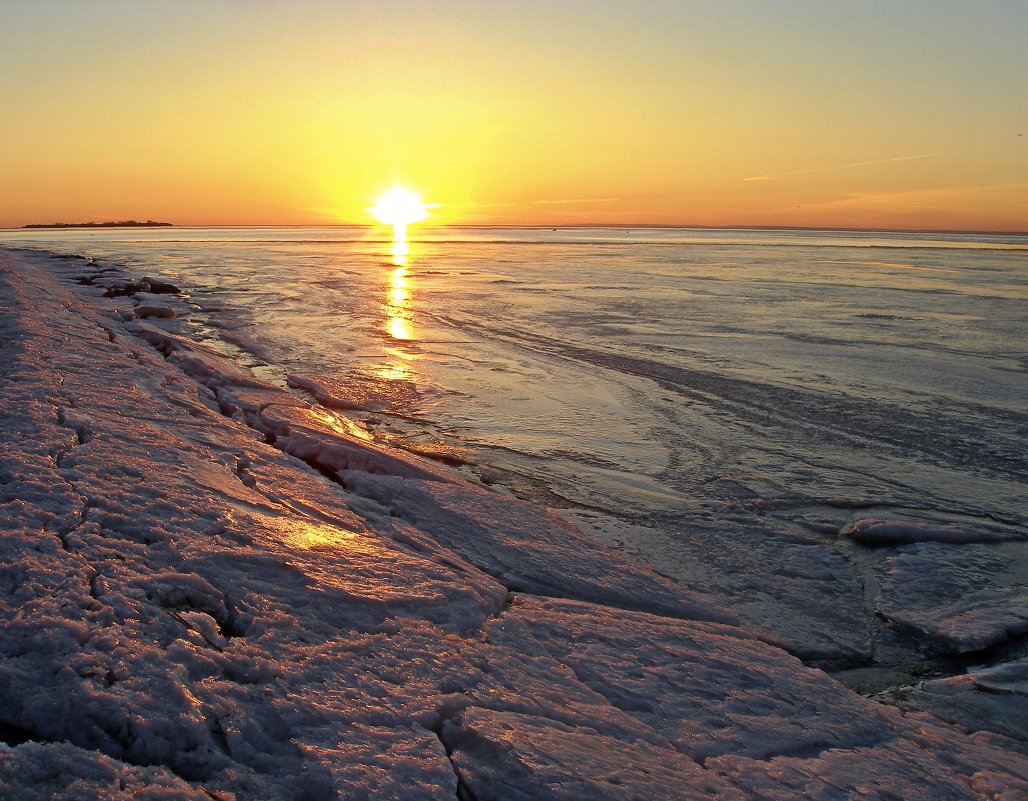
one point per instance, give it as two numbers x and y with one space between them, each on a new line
799 592
957 599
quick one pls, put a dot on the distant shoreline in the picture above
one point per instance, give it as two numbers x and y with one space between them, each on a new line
112 224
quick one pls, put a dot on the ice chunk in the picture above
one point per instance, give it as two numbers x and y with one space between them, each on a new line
204 365
993 699
708 689
958 598
799 592
529 549
328 443
918 765
359 392
897 532
161 287
144 310
526 758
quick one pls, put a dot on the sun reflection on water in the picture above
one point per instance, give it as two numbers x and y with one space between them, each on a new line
398 368
399 208
399 325
399 306
401 247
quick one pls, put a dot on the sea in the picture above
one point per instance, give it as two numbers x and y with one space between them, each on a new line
655 385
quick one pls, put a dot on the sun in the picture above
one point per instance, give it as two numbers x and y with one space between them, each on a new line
399 207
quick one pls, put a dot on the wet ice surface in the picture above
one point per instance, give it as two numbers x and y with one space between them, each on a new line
723 406
212 588
960 599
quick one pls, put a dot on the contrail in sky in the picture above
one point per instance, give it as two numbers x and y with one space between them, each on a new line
841 167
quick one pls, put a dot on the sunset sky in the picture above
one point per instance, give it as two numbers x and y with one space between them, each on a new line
895 114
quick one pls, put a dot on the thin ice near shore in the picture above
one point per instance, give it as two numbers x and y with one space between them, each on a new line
211 589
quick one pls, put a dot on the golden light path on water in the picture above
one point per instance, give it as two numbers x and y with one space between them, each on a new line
399 208
398 305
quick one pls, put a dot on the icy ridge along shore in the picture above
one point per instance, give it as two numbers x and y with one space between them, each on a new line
210 589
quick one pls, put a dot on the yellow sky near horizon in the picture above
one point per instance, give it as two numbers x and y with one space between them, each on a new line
907 114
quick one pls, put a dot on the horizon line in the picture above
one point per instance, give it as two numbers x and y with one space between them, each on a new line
35 227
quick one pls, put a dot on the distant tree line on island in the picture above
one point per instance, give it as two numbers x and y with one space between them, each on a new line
112 224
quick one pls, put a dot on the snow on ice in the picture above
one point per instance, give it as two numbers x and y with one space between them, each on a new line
212 589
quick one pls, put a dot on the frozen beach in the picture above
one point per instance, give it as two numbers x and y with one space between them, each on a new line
775 419
215 586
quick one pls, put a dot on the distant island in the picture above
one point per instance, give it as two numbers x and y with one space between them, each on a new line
118 224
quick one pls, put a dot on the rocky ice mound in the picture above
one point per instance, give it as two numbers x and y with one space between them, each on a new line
899 532
210 589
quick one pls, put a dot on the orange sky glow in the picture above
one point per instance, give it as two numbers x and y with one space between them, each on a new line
908 114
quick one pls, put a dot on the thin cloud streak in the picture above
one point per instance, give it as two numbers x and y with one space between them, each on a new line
842 167
935 192
563 201
472 204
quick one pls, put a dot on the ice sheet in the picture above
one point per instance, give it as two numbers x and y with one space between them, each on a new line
188 610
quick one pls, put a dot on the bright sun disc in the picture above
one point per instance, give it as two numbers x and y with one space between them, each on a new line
399 207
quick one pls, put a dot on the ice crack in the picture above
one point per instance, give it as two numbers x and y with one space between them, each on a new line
464 793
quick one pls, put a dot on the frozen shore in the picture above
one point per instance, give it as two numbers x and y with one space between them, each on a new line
212 588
